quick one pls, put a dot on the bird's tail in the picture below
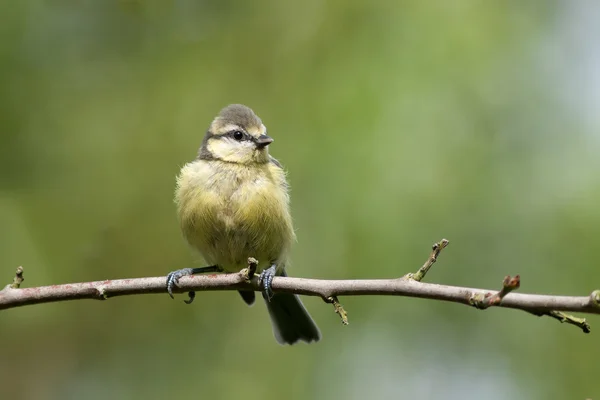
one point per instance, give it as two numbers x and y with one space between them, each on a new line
291 322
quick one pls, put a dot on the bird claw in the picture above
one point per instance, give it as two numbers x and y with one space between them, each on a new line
191 297
173 279
174 276
266 280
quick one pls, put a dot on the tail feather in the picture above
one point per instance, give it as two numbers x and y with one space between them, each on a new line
291 322
248 296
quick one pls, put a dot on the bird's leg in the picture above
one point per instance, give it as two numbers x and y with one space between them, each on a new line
266 280
174 276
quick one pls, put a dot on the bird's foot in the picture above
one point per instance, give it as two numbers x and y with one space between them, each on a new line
174 276
266 280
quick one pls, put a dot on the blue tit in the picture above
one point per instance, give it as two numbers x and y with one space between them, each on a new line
233 203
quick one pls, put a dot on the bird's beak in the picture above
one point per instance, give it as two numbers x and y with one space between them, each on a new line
263 141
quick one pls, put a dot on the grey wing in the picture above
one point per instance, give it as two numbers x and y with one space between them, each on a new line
275 162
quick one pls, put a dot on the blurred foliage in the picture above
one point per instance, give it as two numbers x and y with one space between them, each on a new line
400 122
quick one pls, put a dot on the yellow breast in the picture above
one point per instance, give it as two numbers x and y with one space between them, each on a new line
230 212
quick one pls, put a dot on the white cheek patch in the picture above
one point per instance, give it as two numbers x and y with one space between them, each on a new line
220 148
227 149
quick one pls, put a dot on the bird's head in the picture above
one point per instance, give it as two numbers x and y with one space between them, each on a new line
236 135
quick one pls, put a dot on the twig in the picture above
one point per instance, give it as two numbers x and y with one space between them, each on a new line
102 290
483 301
339 310
18 279
249 272
435 252
567 318
11 296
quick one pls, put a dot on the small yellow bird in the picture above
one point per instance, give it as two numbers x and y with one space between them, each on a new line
233 203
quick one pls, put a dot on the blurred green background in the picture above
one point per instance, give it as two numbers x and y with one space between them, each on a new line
399 122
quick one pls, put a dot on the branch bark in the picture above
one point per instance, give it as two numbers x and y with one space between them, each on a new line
329 290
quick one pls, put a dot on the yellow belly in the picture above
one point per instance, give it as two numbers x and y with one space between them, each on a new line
229 213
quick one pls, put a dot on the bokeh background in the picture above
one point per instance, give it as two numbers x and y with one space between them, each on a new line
399 122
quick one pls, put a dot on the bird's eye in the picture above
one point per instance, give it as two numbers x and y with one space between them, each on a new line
238 135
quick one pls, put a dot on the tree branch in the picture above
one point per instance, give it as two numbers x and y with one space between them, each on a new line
329 290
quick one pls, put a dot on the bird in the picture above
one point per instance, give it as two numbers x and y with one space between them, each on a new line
233 203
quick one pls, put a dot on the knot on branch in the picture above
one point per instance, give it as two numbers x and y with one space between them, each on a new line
485 300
